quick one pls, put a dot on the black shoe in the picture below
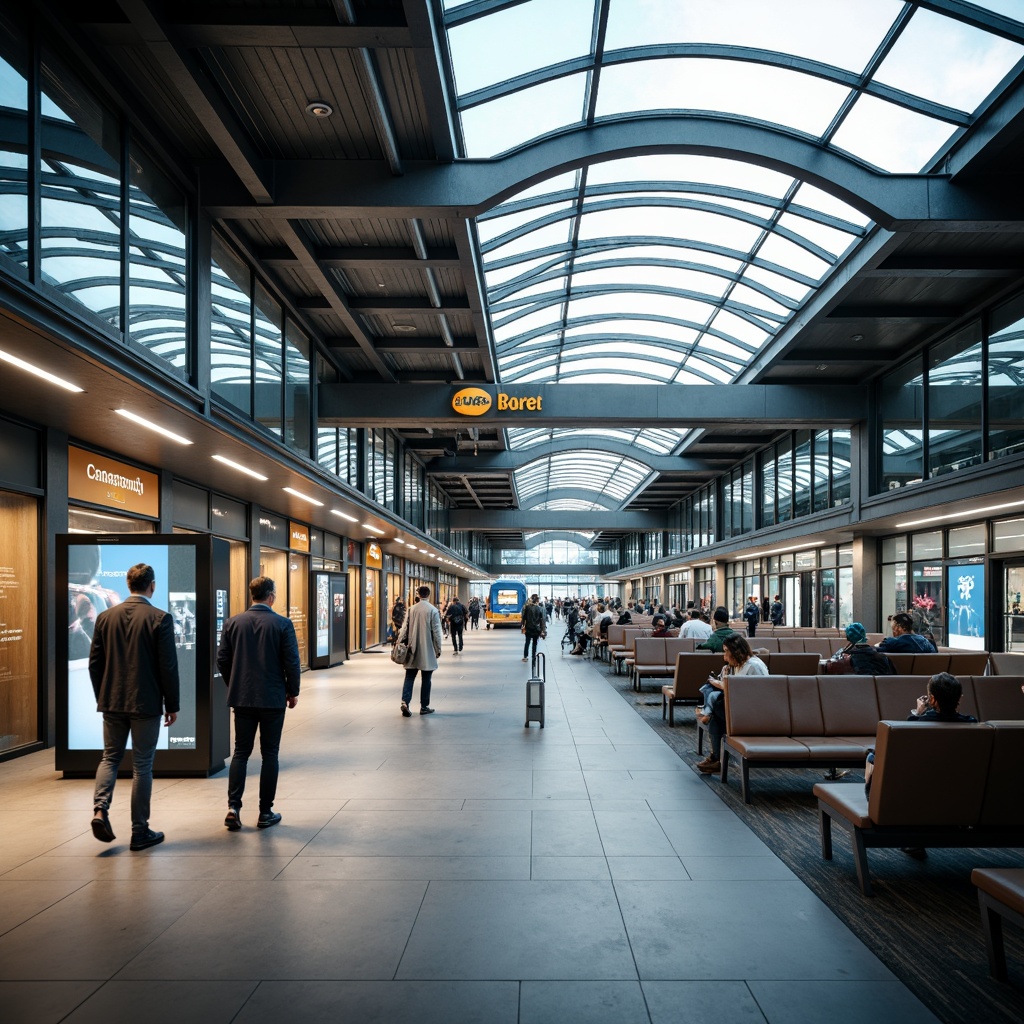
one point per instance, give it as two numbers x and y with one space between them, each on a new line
917 852
268 819
406 713
101 826
233 819
144 840
426 711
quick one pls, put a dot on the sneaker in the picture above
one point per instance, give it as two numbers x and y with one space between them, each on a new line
101 826
144 840
406 713
426 711
233 819
710 767
267 819
832 775
524 660
707 760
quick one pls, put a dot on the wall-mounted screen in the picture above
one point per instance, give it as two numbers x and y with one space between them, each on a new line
97 580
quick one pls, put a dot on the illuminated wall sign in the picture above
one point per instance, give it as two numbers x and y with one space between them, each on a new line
102 481
298 536
374 555
476 401
471 402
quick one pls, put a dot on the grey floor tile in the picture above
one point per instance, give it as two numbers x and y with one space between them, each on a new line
164 1002
582 1002
168 868
42 1002
638 830
565 834
702 1002
569 868
650 869
393 1002
525 930
407 868
728 868
740 930
21 900
701 832
96 930
329 930
847 1002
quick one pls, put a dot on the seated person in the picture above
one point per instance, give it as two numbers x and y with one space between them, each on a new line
859 657
938 705
740 660
660 625
715 642
625 618
695 626
904 640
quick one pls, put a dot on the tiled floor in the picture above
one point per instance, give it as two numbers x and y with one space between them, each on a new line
453 868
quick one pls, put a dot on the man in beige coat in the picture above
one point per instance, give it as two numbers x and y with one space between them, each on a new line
422 632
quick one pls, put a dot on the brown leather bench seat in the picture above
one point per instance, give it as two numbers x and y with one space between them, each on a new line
1000 895
812 721
937 785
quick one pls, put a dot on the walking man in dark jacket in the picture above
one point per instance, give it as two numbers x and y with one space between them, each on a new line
534 624
752 613
133 666
259 661
456 616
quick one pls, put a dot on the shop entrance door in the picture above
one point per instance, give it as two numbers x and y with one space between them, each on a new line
791 600
1013 617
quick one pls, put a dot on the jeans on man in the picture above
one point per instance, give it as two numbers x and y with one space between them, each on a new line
145 733
410 678
526 647
456 630
270 722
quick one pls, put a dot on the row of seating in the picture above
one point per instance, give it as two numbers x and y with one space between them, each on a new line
940 786
829 721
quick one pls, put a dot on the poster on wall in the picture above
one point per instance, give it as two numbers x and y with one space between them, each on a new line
323 603
965 585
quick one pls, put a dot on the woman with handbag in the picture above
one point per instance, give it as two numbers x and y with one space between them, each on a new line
421 637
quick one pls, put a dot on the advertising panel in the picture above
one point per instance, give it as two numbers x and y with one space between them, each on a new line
965 585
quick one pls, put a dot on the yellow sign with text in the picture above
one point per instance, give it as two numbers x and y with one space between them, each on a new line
476 401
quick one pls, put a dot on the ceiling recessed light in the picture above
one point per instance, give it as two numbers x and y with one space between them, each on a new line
318 108
405 327
344 515
398 540
241 469
142 422
373 528
856 337
960 515
37 372
299 494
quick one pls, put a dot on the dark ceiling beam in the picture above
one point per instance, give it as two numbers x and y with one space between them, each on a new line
562 405
932 313
410 346
833 357
982 148
519 520
199 94
296 240
351 189
398 305
467 247
429 45
366 257
951 264
507 461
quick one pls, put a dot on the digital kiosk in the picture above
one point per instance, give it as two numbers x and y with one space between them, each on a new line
192 581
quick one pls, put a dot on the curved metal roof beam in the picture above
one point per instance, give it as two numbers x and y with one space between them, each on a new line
684 187
718 51
764 223
614 243
573 537
572 494
506 291
586 441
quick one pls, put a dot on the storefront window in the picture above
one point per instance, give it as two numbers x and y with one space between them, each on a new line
927 545
841 467
1008 535
19 625
966 540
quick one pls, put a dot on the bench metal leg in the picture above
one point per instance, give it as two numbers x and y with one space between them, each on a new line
992 925
664 703
825 828
700 739
860 858
724 758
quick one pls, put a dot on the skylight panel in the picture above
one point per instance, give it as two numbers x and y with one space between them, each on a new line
817 199
489 228
830 239
519 39
777 95
736 327
891 137
947 61
794 290
840 32
692 310
550 234
685 167
665 277
788 254
719 229
513 120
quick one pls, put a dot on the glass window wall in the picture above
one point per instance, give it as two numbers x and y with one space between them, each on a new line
954 402
230 328
14 148
297 399
1006 381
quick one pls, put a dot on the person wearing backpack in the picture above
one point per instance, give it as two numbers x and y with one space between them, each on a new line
859 657
455 616
474 613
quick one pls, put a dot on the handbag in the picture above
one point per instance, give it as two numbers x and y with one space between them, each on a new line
400 653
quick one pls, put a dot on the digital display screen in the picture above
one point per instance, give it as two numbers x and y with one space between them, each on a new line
97 581
966 607
508 597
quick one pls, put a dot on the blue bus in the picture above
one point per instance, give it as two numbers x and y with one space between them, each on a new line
506 603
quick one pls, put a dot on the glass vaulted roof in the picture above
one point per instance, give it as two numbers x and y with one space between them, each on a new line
680 269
